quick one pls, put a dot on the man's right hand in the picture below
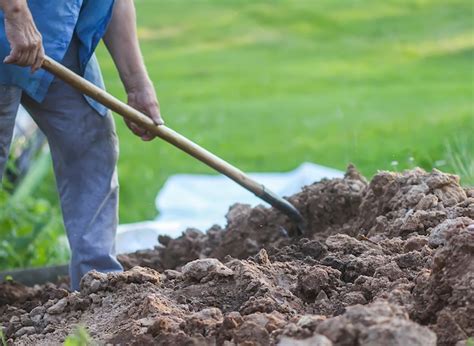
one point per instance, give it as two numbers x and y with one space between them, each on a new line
25 40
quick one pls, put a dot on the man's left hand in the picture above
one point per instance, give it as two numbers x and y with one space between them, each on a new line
142 97
122 42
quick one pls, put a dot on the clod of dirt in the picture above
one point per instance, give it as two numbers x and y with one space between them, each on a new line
375 324
444 296
205 269
389 261
439 233
315 340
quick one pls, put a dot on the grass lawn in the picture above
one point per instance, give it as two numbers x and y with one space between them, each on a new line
268 85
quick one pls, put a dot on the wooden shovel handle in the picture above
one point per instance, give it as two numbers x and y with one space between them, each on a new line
170 136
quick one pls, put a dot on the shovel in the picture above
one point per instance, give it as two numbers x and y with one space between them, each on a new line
175 139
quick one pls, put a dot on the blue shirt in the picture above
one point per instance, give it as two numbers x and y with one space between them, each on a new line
58 21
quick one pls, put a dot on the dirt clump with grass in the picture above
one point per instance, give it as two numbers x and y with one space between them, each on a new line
390 261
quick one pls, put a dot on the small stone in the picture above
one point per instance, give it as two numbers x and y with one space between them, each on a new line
321 295
26 320
232 320
140 275
39 310
94 285
48 304
250 332
390 270
209 314
353 298
58 307
48 329
171 274
146 322
312 282
427 202
397 332
14 319
415 243
36 318
77 302
409 260
93 281
25 331
161 325
262 257
95 298
310 321
439 233
198 269
315 340
314 249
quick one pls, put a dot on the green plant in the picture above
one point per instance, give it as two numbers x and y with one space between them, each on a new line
30 231
2 338
460 156
80 337
470 341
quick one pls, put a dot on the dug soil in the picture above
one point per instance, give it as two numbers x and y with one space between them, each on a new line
385 262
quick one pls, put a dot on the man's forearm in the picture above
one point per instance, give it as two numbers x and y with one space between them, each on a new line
10 7
122 42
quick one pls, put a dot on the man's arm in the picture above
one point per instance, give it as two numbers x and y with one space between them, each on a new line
24 38
122 42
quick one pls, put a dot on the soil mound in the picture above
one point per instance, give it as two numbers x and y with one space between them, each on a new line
390 261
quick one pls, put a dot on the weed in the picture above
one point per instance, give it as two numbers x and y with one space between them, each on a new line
80 337
460 156
28 228
2 338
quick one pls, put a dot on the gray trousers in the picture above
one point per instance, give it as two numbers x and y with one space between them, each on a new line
84 149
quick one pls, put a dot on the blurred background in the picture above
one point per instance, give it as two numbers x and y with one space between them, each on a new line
386 85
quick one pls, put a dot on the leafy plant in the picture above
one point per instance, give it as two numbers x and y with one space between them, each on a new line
2 338
460 156
80 337
30 231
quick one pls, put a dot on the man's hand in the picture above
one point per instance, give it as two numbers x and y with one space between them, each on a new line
25 40
142 97
122 43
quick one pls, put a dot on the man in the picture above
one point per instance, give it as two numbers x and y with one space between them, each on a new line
80 132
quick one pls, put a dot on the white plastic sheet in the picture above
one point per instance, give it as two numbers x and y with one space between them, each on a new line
200 201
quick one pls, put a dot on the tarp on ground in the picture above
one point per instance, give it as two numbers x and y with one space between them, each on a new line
201 201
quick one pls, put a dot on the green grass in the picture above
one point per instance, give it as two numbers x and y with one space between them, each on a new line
79 337
461 158
2 338
268 85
